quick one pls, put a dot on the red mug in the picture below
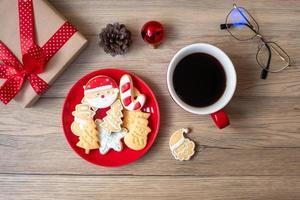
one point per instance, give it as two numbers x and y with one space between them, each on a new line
216 110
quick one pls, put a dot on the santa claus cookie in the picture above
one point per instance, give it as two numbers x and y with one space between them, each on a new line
127 94
181 147
100 92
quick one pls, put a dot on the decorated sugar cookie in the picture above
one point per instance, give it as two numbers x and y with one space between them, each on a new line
100 92
110 140
88 138
127 94
82 116
181 147
137 124
113 120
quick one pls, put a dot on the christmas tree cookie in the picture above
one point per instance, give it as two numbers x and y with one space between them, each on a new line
88 138
113 120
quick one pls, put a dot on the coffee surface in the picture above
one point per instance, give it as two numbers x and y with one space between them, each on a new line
199 79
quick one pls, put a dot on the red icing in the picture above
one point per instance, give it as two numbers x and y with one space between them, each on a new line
125 87
100 81
127 101
137 106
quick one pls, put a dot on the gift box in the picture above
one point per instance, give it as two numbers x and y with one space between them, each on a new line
46 23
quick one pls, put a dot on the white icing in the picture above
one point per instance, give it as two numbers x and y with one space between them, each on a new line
105 87
99 102
177 144
124 79
185 151
126 94
141 99
110 141
185 130
81 122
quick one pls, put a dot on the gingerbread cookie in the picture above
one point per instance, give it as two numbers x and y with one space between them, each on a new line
181 147
130 115
137 124
88 138
82 115
110 140
127 94
113 120
100 92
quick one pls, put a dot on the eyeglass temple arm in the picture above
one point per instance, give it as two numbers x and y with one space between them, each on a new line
264 72
226 26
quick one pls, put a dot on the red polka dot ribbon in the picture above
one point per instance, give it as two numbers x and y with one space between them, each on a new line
34 57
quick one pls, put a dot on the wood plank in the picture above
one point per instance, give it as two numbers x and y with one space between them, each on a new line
152 64
206 162
256 122
120 187
262 140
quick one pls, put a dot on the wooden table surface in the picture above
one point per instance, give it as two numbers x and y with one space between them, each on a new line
257 157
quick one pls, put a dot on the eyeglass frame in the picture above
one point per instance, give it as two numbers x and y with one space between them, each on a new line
265 70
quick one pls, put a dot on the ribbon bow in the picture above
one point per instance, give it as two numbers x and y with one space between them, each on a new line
34 57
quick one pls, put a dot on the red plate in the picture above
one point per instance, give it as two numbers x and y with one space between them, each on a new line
112 158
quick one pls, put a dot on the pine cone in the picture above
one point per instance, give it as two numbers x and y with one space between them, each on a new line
115 39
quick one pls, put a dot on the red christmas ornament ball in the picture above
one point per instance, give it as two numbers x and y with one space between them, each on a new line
153 33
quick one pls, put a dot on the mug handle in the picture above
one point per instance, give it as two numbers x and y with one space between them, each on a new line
220 118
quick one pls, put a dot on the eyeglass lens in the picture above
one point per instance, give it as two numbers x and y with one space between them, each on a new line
278 60
241 24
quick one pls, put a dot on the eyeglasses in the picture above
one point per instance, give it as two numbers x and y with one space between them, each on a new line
242 26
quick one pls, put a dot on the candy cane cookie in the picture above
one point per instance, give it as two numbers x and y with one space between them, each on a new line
127 94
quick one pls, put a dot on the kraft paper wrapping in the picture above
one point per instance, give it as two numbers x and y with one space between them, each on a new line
47 22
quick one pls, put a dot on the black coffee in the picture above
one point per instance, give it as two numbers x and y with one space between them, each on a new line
199 79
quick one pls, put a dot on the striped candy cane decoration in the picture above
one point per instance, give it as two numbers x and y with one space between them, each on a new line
127 94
